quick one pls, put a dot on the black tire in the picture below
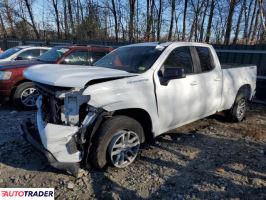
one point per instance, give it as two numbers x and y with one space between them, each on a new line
99 151
233 114
17 96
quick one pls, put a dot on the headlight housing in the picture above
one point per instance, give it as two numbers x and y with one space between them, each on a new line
5 75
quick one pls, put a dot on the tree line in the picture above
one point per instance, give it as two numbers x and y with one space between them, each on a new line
215 21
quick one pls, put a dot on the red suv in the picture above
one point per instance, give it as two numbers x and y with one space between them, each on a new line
14 86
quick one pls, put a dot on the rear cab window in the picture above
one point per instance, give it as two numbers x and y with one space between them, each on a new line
205 59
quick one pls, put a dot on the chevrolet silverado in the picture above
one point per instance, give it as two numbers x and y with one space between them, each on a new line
102 114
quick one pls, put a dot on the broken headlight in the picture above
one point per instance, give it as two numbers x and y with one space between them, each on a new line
73 102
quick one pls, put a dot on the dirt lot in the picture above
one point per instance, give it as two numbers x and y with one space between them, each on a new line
209 159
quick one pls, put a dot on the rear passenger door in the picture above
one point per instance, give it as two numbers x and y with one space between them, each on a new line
209 80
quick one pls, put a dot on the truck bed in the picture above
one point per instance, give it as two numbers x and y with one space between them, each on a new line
235 76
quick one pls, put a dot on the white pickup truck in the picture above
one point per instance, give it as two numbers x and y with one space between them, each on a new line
102 114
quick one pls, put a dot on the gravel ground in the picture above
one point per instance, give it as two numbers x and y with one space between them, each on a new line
208 159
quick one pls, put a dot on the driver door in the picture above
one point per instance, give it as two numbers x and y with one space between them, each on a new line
178 99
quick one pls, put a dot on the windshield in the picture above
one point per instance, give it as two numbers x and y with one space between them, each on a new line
134 59
9 52
53 55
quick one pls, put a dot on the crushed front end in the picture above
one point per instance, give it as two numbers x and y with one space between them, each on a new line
64 125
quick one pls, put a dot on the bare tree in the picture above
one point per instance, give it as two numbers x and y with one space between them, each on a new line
247 17
184 19
252 20
208 31
65 19
255 28
229 21
197 10
29 8
9 16
3 26
238 22
132 7
69 5
263 20
149 23
55 6
138 20
153 28
203 21
220 22
172 19
159 19
114 12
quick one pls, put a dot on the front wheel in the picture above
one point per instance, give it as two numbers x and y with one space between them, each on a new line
25 96
117 143
238 111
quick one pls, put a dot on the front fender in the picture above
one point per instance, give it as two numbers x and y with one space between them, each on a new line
125 94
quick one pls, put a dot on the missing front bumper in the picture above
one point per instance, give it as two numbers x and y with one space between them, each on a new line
32 136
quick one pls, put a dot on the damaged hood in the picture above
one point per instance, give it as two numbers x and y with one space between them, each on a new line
71 75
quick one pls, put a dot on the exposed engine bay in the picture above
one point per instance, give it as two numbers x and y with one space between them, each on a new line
62 105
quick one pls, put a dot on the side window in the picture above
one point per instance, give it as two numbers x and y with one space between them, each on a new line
180 57
95 56
43 51
29 54
77 58
205 58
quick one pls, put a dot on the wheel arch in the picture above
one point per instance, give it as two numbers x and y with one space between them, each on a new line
142 116
17 84
246 89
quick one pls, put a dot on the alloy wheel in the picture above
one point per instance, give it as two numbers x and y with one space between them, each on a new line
123 148
241 108
29 96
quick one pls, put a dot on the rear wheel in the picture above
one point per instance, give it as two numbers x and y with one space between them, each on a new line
25 96
117 143
238 111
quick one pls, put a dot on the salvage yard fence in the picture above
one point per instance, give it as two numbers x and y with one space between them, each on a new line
237 54
8 43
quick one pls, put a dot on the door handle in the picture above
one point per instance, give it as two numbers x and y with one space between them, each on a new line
193 83
217 79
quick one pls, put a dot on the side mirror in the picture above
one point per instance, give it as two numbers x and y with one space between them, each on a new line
170 73
174 73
